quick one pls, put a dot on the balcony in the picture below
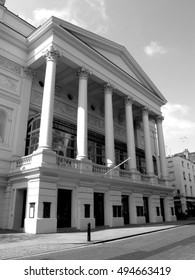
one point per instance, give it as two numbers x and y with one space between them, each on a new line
64 163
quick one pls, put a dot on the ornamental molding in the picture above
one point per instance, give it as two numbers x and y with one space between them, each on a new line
83 72
9 84
52 54
10 65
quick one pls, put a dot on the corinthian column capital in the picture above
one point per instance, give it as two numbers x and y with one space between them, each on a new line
108 87
145 111
159 119
52 54
83 72
128 100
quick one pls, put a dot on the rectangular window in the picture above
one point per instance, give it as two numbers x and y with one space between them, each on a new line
157 211
172 211
117 211
87 210
140 211
189 177
191 192
46 209
184 175
182 164
185 189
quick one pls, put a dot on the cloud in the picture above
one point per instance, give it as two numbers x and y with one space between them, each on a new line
88 14
154 49
178 127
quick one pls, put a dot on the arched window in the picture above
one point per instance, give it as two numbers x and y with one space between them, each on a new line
3 122
32 139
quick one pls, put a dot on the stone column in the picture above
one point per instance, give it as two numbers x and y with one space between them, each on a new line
130 134
45 137
147 142
161 145
82 115
109 125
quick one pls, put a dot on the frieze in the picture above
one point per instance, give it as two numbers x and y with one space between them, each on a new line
9 84
10 65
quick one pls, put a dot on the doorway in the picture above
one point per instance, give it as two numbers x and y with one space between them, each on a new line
125 208
20 208
64 208
99 209
162 208
146 209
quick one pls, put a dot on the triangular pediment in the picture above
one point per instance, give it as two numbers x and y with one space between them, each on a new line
114 53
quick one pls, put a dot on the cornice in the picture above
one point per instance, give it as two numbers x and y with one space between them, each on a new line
13 36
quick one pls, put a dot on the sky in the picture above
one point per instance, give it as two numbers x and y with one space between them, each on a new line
159 34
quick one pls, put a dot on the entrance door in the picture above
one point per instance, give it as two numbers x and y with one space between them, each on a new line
64 208
20 208
99 209
146 210
125 208
162 208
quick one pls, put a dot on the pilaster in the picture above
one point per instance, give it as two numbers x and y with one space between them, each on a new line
28 75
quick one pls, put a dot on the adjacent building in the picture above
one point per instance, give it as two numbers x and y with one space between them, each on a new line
81 137
182 177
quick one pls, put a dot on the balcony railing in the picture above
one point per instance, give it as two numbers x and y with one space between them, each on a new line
74 164
67 162
125 173
97 168
23 161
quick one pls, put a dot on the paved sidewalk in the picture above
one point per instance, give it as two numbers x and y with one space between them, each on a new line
15 245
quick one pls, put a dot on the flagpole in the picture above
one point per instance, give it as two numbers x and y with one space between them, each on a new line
117 166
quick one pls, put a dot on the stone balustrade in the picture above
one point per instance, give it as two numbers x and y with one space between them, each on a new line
70 163
67 162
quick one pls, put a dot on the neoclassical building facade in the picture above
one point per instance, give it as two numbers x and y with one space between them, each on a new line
81 138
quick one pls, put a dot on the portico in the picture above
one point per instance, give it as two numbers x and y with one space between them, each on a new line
81 123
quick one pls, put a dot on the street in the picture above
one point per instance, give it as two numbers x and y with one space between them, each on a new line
175 244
